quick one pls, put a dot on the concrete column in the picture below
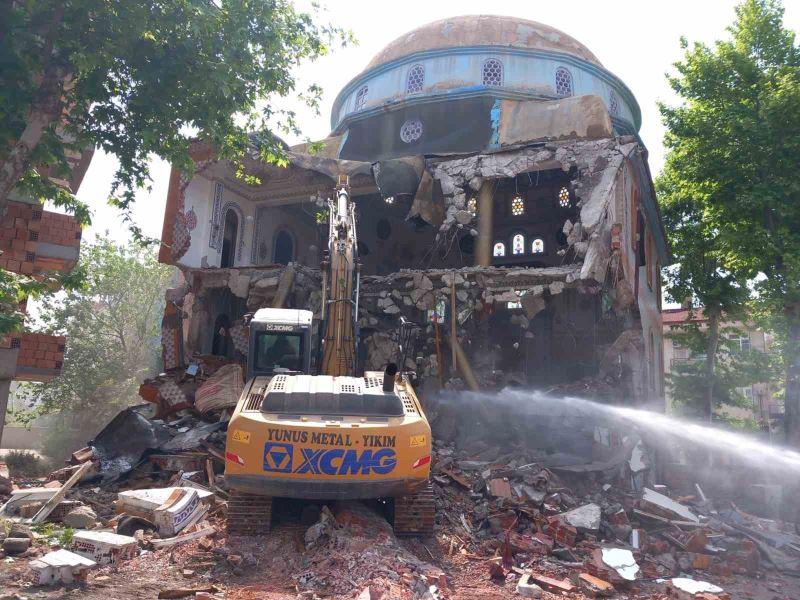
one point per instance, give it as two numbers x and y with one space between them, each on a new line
8 367
485 223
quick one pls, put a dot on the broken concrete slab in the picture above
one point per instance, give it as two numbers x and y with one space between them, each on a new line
527 588
171 509
60 566
104 547
585 519
662 505
622 561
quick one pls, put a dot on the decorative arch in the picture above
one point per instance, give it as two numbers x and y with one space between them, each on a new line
518 244
492 73
564 87
416 79
238 242
283 247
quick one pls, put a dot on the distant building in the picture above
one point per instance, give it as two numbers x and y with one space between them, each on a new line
763 406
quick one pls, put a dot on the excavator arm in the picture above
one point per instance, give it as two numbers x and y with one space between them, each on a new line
340 286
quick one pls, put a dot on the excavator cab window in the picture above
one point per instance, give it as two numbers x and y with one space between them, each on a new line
276 352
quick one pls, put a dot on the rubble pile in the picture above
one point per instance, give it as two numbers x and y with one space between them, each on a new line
527 505
587 529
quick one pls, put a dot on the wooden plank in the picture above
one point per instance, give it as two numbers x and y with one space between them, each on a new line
51 504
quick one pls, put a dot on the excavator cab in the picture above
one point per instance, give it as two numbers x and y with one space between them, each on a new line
280 342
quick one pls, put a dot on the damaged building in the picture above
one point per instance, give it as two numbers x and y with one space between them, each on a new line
504 205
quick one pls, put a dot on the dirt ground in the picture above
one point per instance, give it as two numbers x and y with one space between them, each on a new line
279 567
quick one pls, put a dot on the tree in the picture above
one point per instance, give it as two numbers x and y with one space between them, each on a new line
113 329
698 277
690 382
734 148
142 78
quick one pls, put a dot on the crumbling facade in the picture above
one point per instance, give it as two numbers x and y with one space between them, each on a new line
504 205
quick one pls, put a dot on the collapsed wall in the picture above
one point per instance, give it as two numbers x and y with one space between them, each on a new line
573 327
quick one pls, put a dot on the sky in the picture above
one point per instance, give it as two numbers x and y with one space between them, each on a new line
637 40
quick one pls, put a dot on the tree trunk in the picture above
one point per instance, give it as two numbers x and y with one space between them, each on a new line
18 159
711 362
791 358
46 108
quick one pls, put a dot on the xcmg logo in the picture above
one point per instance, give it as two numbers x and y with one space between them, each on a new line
279 458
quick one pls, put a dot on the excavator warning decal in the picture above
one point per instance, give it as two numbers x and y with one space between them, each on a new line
417 440
279 458
241 436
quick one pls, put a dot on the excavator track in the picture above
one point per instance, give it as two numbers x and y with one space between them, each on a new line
415 514
248 514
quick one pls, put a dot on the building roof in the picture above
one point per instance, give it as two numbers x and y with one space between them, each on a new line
672 316
482 30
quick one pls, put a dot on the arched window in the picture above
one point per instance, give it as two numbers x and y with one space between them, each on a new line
537 246
518 244
361 98
563 198
563 83
613 104
229 235
415 80
499 249
283 253
492 72
517 206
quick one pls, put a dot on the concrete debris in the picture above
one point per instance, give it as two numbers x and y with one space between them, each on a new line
622 561
585 518
104 547
82 517
170 509
321 531
61 566
16 545
527 589
662 505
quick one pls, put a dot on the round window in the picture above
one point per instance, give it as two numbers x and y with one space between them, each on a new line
411 131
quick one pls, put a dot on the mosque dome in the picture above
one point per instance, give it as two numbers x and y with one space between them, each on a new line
482 30
436 88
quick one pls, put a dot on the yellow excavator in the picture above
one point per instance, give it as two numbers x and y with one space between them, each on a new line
331 435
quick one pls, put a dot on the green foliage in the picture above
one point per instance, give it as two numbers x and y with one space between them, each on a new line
15 288
143 78
25 464
112 326
730 177
734 368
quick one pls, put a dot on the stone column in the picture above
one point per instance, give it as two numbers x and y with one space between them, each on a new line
485 223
